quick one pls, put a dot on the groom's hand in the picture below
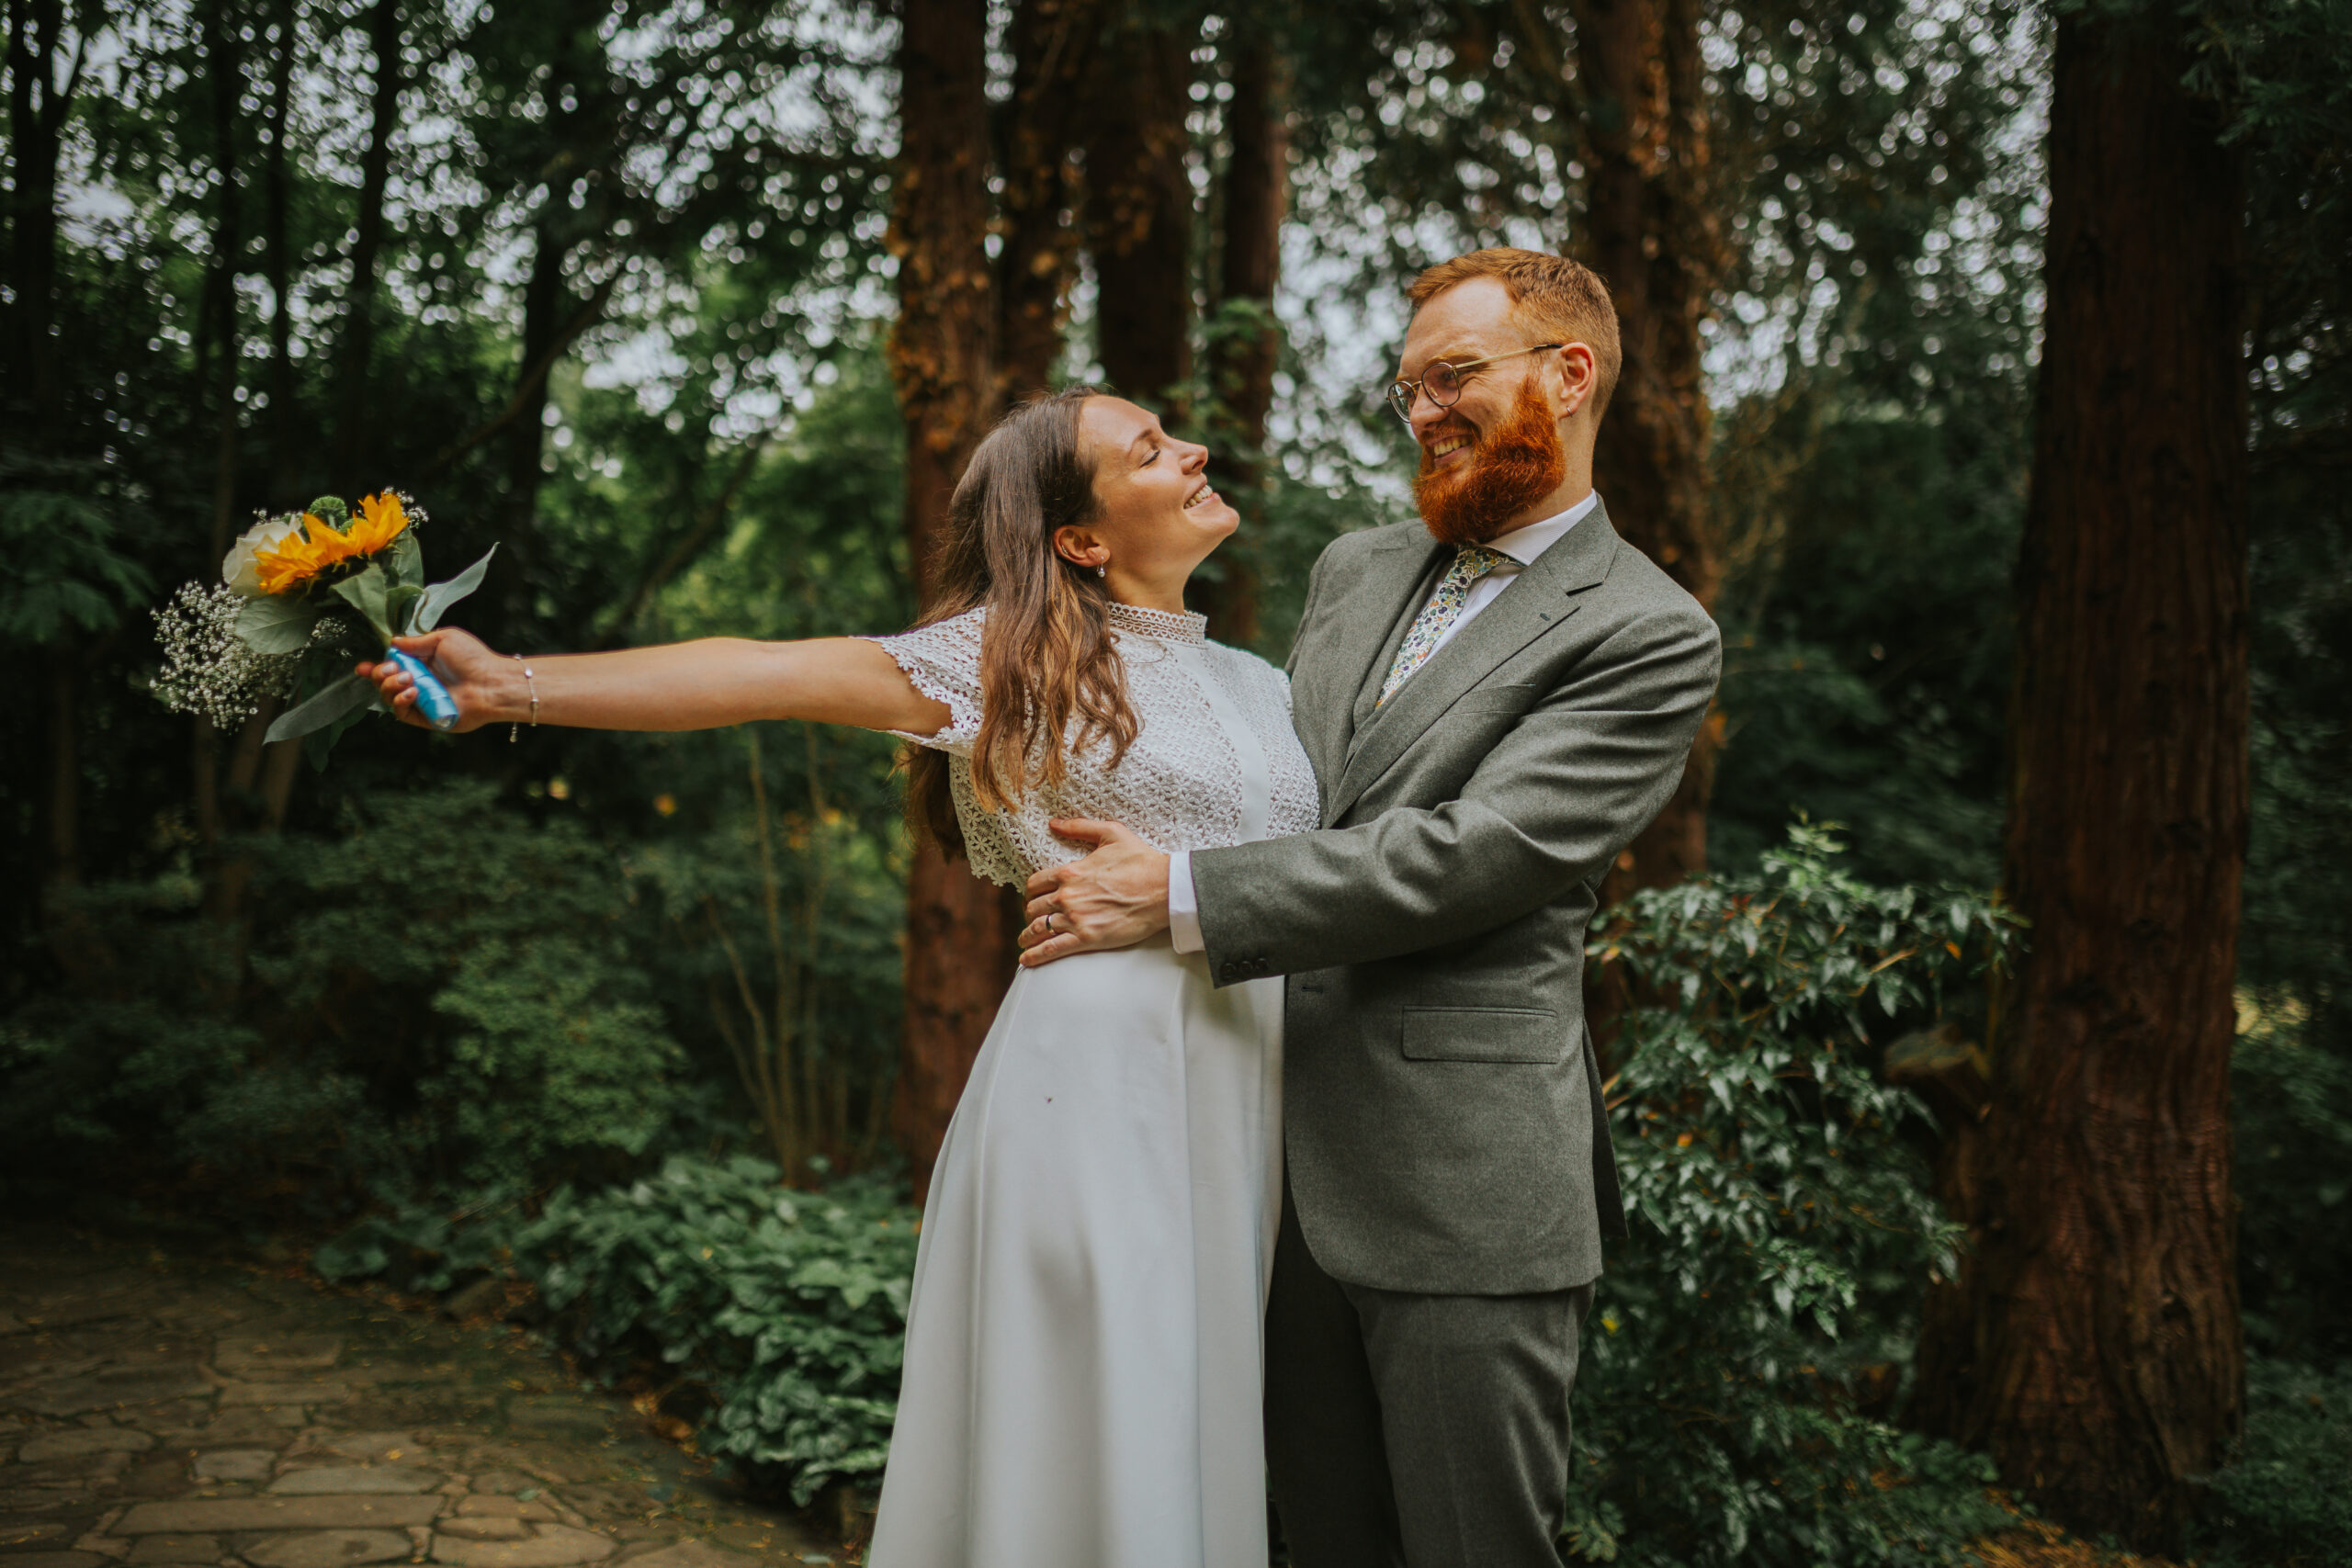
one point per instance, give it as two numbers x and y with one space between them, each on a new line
1115 898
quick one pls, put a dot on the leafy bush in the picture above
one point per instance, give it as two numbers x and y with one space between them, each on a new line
2282 1501
1784 1233
789 1308
440 997
2292 1102
1783 1227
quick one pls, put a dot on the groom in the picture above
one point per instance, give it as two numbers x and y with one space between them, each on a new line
1495 703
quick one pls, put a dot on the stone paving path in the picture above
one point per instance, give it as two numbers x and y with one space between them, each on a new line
168 1410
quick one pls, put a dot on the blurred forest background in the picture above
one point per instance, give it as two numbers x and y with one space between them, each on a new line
1987 379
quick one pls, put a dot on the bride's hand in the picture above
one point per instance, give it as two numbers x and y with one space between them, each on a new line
475 677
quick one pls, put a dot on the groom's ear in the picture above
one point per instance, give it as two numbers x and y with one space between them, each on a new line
1572 373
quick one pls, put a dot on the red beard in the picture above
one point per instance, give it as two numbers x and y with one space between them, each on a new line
1510 469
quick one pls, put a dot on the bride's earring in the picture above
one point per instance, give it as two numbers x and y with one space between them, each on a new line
1102 570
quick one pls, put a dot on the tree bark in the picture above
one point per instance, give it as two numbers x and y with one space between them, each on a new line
1140 210
277 200
224 63
960 931
1243 356
2092 1344
355 420
1652 234
37 111
547 302
1054 44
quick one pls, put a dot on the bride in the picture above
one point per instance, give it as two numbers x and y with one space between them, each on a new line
1083 1347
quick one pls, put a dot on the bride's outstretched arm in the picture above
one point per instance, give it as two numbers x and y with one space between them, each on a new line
683 685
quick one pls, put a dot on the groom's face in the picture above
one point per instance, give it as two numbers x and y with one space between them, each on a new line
1496 451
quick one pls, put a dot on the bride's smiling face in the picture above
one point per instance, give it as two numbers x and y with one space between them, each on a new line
1156 514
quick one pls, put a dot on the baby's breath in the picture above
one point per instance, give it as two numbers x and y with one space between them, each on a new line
208 667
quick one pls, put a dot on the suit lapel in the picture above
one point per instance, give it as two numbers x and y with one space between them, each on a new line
1363 634
1539 599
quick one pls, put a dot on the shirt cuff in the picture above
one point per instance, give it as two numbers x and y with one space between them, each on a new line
1183 908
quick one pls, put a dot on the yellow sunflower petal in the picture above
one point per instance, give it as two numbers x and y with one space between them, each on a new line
382 519
301 555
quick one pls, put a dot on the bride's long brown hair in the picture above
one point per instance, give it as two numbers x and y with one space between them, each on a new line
1047 655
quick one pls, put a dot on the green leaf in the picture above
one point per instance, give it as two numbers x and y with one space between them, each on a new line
441 596
408 559
365 591
320 741
276 623
399 606
345 697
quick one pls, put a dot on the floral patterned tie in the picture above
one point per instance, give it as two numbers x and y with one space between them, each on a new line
1444 608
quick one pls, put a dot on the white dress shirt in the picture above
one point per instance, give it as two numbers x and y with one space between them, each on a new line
1522 546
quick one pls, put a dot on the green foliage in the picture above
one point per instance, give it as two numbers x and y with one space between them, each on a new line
2282 1501
1744 1339
786 1309
71 558
789 1307
440 996
2293 1098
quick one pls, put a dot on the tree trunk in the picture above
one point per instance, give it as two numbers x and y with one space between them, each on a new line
276 198
2092 1345
224 63
355 420
1244 354
37 111
546 304
1652 234
1054 44
960 931
74 942
1140 210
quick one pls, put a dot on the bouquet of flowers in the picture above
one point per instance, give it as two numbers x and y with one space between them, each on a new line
303 598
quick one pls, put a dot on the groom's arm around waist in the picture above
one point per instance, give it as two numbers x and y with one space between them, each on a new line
1551 805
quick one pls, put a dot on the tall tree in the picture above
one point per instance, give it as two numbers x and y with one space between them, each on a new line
1246 342
1651 231
2092 1345
40 96
278 262
960 931
1139 204
1054 44
225 65
355 356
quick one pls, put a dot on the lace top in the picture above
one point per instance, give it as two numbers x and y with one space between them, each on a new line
1215 761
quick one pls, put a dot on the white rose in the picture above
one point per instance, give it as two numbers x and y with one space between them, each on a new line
238 567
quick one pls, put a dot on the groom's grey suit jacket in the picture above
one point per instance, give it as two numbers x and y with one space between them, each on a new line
1444 1126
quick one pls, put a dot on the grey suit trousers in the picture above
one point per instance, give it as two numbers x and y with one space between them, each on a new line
1406 1430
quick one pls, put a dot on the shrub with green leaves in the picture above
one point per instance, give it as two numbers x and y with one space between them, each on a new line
1783 1227
2282 1500
445 995
788 1307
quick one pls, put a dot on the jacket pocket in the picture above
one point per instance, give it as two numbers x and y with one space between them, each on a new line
1484 1034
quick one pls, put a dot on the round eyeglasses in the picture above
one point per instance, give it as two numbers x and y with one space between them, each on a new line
1442 381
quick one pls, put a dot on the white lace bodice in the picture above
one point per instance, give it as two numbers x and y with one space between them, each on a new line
1215 761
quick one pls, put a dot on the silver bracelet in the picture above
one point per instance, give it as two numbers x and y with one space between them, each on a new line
515 731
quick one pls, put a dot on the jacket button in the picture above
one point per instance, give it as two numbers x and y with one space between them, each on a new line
1224 970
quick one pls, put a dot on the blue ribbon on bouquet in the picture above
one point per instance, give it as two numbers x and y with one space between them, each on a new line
433 699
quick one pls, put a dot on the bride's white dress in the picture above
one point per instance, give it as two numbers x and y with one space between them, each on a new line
1083 1347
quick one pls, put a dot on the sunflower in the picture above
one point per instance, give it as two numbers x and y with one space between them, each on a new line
382 519
298 559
